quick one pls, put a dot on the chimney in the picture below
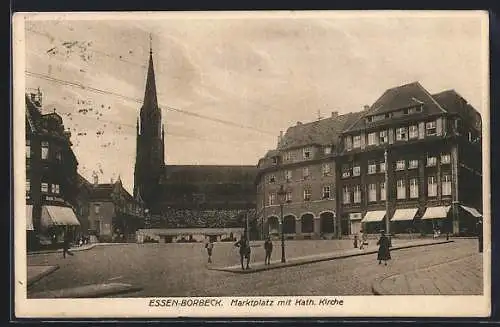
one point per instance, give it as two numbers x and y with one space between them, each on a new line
299 123
280 138
366 107
96 179
335 114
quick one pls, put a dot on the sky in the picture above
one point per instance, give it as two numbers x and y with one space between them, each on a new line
228 84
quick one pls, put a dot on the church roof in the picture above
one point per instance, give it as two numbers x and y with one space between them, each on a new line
215 174
150 98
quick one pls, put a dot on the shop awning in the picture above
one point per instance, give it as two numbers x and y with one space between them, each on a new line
29 217
472 211
404 214
62 216
373 216
436 212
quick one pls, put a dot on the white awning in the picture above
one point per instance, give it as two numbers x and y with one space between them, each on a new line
404 214
373 216
436 212
29 217
472 211
55 215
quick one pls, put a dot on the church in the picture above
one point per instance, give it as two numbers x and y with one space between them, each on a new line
186 196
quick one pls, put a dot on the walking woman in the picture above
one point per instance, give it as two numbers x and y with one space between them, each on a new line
384 253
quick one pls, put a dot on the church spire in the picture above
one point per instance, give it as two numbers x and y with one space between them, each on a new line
150 99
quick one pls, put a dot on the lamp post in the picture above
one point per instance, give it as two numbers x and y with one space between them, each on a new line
281 197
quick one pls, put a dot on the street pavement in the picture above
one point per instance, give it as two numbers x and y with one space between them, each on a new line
181 269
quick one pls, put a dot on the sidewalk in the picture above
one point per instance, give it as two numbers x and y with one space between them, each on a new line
462 276
76 248
260 266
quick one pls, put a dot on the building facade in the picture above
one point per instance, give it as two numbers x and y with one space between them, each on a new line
51 176
415 156
114 214
304 165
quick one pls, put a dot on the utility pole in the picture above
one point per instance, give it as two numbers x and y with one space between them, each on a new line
387 192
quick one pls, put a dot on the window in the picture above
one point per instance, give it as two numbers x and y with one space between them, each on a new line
431 186
288 196
307 153
356 141
288 156
55 188
446 185
372 138
400 165
28 149
97 208
45 187
348 142
413 132
372 192
45 150
383 194
307 194
59 156
346 195
430 128
305 172
288 175
383 137
28 185
382 167
271 199
326 169
346 171
326 192
356 170
275 160
372 167
402 134
431 161
357 194
327 149
413 188
413 164
272 178
401 189
445 158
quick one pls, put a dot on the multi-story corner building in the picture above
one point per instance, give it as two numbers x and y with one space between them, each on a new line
51 177
415 156
114 215
303 164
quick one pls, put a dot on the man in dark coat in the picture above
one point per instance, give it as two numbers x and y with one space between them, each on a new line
66 245
383 249
268 247
244 246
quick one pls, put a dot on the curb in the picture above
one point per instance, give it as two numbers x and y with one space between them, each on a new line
88 291
321 259
36 278
77 249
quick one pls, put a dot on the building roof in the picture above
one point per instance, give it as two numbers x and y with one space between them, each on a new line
215 174
400 97
322 132
102 191
453 102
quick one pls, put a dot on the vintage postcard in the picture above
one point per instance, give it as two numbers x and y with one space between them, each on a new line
252 164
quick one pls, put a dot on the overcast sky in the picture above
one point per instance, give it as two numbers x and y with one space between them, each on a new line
227 86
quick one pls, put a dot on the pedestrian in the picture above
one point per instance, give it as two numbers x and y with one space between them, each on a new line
364 240
268 247
355 241
209 246
384 253
66 244
244 246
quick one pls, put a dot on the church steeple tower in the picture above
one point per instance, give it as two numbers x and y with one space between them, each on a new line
149 162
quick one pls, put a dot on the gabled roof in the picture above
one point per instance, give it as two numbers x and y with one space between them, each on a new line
322 132
215 174
102 191
400 97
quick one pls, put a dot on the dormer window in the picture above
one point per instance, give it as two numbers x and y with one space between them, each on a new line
356 141
369 119
307 153
327 149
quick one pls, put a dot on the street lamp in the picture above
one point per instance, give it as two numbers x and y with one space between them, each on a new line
281 198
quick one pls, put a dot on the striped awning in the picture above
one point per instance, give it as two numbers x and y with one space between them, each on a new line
56 215
373 216
472 211
29 217
404 214
436 212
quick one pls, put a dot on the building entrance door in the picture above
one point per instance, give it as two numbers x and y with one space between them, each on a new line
355 227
